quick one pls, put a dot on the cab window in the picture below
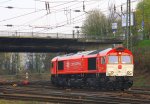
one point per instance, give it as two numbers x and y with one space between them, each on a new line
126 59
60 65
113 59
103 60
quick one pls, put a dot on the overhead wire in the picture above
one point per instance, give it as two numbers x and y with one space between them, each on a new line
63 1
20 16
44 15
81 21
61 23
5 1
30 12
33 20
58 4
12 7
53 11
49 14
71 9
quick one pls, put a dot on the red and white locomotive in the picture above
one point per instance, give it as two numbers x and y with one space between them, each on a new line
109 68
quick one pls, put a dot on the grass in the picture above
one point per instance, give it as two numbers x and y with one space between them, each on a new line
21 77
144 43
20 102
139 82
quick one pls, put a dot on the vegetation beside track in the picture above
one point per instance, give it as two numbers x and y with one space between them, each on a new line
142 64
144 43
21 77
20 102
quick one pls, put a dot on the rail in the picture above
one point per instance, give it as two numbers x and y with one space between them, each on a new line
43 91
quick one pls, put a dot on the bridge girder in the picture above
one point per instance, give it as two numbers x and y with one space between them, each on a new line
15 44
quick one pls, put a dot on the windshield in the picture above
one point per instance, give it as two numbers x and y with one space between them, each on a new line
113 59
126 59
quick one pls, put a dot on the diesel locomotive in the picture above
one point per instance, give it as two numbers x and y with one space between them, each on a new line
111 68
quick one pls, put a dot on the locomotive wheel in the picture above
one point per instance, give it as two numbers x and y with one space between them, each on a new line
68 83
109 85
128 84
92 83
52 80
114 86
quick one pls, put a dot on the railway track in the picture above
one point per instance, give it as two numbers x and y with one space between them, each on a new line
47 93
71 99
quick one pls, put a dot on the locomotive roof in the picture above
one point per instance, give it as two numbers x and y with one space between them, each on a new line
99 51
92 52
77 54
105 51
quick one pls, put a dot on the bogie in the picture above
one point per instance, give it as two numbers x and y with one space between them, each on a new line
101 82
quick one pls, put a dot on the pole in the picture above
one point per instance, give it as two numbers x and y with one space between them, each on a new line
143 20
127 24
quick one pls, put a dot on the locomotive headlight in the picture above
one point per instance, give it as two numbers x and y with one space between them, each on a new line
119 53
111 73
129 72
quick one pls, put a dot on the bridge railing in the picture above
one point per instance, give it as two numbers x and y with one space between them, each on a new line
57 35
37 34
96 37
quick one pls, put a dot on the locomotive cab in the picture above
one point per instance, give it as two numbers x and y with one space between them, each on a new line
119 62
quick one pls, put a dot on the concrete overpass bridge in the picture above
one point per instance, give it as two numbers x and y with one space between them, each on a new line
46 42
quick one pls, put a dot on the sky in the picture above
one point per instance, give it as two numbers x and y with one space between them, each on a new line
60 17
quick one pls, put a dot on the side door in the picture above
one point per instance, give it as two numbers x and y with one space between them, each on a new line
92 63
102 64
